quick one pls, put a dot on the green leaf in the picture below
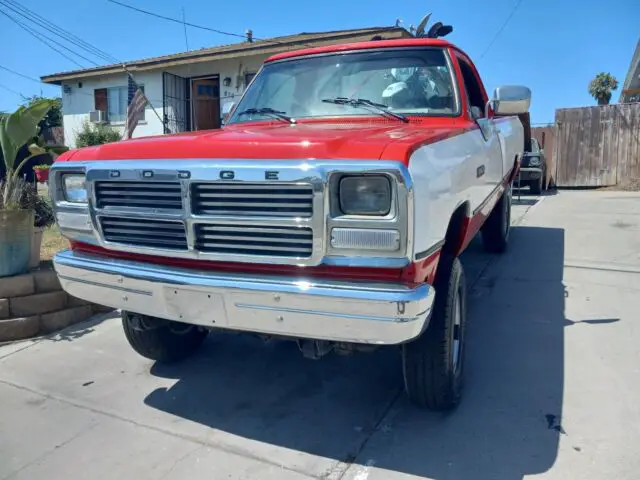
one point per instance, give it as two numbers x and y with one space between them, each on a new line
20 127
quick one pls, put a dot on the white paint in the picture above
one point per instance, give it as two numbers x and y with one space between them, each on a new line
444 175
77 104
362 471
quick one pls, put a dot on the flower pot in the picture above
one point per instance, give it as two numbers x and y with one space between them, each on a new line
42 175
16 232
36 244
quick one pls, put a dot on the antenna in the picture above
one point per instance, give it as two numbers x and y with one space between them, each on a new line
422 25
184 24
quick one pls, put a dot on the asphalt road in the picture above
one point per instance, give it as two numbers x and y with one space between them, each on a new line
552 382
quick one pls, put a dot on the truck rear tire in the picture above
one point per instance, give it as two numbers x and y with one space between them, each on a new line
161 340
495 231
433 363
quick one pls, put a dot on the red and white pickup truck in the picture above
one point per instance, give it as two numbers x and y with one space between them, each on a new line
331 210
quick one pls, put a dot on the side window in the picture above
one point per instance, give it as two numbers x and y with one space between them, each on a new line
474 92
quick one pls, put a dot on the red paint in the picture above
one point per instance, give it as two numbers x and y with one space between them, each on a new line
320 271
402 42
355 139
422 271
473 224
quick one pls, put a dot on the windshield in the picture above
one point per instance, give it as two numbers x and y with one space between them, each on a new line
406 81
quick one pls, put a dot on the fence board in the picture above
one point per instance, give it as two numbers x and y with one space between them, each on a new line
597 146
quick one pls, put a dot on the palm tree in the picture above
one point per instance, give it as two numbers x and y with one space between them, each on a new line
601 87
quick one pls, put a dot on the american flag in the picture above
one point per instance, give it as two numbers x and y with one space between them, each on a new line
136 103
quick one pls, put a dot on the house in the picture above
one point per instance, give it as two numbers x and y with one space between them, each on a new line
631 87
186 91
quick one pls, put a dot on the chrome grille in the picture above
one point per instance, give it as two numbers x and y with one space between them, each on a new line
252 199
166 195
144 233
251 240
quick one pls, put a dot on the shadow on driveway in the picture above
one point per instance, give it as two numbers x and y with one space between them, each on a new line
353 409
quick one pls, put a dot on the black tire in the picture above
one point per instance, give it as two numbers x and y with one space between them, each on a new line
161 340
433 363
535 187
496 229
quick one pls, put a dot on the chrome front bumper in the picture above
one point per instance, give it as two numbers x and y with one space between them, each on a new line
357 312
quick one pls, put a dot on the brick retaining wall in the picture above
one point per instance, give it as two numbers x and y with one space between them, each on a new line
35 304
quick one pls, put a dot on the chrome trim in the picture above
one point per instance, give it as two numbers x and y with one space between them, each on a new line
320 174
358 312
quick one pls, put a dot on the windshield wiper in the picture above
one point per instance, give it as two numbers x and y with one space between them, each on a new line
364 103
268 111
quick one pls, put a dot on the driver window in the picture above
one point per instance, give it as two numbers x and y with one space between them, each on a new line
474 92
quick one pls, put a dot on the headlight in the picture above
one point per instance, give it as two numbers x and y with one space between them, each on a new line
534 161
74 188
365 195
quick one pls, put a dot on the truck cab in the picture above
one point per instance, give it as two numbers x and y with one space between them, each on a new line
330 210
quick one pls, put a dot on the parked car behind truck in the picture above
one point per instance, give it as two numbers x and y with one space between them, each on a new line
533 170
331 210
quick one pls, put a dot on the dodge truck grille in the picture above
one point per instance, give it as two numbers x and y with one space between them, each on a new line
250 240
252 199
166 195
144 233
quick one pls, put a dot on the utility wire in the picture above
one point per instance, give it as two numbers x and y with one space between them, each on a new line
41 39
506 22
10 90
22 75
193 25
34 17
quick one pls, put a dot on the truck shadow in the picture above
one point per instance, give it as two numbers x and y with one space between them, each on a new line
352 409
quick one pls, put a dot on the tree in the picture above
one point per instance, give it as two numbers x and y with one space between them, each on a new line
54 115
601 87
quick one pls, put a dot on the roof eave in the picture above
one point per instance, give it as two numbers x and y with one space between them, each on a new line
267 47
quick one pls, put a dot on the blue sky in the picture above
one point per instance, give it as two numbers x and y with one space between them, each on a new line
553 46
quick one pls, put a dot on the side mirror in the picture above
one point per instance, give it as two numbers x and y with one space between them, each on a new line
510 100
227 108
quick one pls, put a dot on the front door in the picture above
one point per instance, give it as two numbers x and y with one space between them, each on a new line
205 95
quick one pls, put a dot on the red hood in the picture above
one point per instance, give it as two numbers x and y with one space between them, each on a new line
390 140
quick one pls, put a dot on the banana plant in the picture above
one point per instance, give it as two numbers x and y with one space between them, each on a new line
16 130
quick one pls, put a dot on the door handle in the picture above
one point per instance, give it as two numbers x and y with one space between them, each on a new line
480 171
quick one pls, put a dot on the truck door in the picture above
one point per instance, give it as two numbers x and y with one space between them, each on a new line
487 151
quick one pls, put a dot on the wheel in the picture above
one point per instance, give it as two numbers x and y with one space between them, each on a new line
433 363
495 231
535 187
161 340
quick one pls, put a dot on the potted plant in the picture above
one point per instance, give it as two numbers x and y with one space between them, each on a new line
17 200
42 173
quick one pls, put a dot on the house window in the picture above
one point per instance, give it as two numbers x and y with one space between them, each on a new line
114 102
247 79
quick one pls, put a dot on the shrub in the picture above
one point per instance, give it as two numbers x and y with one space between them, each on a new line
96 135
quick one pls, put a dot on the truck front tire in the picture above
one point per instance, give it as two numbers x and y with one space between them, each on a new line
161 340
495 231
433 363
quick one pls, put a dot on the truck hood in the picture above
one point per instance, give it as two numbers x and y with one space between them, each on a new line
324 140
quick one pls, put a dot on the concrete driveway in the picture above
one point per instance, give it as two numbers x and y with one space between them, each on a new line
553 382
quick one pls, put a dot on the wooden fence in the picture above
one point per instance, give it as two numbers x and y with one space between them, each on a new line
597 146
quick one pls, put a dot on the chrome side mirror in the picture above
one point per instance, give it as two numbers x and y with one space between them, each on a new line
510 100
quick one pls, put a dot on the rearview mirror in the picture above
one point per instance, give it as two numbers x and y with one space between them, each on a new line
511 100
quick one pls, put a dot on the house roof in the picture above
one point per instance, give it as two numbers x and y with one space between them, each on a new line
632 81
267 47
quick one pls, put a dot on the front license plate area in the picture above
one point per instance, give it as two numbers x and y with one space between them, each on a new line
193 306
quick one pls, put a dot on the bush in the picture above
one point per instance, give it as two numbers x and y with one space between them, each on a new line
96 135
